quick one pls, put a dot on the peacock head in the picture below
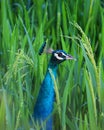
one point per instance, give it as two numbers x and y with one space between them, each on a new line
58 56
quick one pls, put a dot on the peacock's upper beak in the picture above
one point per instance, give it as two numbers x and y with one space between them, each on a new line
69 57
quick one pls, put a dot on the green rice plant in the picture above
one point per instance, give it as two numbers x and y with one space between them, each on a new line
91 103
91 82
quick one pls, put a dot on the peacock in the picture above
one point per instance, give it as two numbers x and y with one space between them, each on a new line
44 105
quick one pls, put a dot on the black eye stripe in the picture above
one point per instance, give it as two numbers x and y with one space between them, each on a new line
59 54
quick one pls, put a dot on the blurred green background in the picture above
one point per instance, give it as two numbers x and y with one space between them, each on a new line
74 26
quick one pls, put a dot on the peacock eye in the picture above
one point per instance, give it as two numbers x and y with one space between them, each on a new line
59 54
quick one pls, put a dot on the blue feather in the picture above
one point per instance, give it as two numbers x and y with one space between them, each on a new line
44 104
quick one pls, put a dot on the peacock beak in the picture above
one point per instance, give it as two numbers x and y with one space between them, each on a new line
69 57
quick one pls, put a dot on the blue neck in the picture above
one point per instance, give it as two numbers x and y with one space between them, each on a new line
44 105
54 68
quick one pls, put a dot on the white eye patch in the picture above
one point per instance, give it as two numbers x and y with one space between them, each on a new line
58 57
63 54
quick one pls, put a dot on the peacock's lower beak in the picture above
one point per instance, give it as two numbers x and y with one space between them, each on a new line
69 57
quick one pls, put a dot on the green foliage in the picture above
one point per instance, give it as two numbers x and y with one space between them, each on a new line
74 26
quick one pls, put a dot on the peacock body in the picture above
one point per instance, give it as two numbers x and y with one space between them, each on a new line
44 104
